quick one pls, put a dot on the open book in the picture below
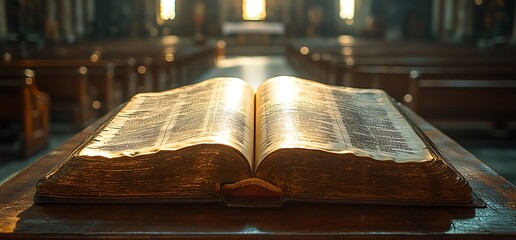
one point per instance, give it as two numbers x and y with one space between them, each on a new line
293 139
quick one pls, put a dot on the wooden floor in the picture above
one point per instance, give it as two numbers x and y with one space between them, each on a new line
499 152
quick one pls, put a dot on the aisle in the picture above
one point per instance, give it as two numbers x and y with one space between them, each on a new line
253 69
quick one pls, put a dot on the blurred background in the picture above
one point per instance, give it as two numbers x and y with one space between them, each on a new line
484 22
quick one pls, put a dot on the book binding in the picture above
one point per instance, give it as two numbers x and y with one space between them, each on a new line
252 192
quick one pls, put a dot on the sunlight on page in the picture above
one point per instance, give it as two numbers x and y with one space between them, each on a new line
310 115
286 97
232 102
216 111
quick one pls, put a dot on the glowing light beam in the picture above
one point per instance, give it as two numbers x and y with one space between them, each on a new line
347 10
167 9
254 9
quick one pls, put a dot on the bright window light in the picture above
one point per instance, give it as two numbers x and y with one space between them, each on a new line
347 10
167 9
253 10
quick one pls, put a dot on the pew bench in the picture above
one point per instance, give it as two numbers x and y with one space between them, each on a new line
80 91
24 119
159 64
71 95
327 61
484 96
392 73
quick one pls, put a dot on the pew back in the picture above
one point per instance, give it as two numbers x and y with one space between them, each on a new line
24 127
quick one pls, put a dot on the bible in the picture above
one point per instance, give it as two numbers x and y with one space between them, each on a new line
292 139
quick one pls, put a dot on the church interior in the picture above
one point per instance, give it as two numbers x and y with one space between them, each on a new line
66 63
69 66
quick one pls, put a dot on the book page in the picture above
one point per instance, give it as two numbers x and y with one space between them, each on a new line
295 113
216 111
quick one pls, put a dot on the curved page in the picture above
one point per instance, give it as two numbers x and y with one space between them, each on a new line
216 111
296 113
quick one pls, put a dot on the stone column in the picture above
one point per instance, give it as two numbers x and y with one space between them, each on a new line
66 19
464 20
3 20
448 19
513 38
437 18
79 17
51 25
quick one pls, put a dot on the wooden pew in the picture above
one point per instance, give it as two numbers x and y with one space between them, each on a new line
448 93
72 96
25 114
171 61
391 73
135 66
389 66
182 57
80 90
125 76
377 47
158 65
125 66
168 66
393 77
326 61
106 87
479 94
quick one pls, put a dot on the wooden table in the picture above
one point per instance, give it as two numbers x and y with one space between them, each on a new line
21 218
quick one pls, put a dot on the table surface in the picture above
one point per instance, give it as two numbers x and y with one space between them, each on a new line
21 218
